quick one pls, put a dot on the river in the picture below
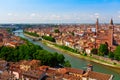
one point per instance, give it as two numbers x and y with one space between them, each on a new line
76 62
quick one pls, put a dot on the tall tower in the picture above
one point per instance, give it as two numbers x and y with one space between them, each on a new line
112 25
111 32
111 22
97 26
96 31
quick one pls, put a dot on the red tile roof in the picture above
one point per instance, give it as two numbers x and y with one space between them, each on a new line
98 76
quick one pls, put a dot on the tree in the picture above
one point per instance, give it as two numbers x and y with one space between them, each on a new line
30 51
55 60
49 38
111 55
67 48
72 33
94 51
67 64
32 33
60 58
56 31
117 53
24 52
103 50
6 53
16 55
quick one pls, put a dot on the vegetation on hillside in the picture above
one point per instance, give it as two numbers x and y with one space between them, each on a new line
30 51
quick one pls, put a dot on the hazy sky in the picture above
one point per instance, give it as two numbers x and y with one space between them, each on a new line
59 11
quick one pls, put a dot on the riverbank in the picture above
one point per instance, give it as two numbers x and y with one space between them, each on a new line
89 58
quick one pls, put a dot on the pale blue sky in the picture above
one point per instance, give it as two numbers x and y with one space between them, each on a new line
59 11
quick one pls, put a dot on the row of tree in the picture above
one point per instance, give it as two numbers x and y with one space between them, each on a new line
49 38
32 34
67 48
104 51
30 51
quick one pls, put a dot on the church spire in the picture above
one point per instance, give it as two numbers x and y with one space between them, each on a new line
111 22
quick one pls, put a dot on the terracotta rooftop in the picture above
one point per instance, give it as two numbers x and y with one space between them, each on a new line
73 70
6 76
33 73
71 77
98 76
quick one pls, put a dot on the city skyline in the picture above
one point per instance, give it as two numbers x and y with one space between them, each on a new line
59 11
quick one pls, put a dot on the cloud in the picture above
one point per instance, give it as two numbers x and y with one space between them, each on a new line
55 16
91 15
13 15
94 16
33 14
119 16
97 15
9 14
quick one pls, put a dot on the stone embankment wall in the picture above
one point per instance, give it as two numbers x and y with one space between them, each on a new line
106 59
